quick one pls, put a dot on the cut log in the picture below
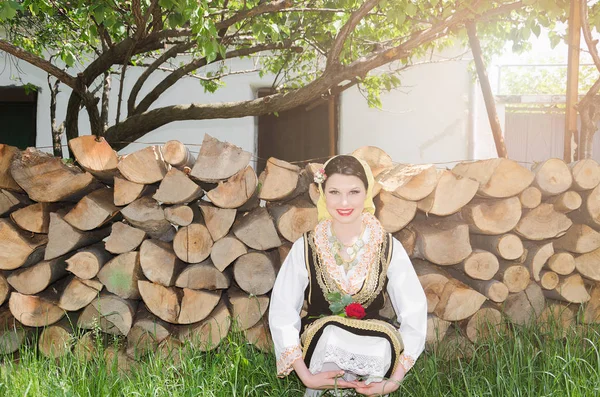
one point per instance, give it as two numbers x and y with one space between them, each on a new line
47 179
506 246
246 310
410 182
116 360
494 290
203 276
64 238
121 274
451 193
443 243
17 249
192 244
589 212
178 155
436 330
524 307
126 192
35 218
588 265
57 339
456 346
458 301
543 222
180 215
218 161
12 333
530 197
177 188
114 315
279 180
170 351
552 177
95 155
145 166
408 239
480 265
145 213
75 293
562 263
283 251
4 289
260 337
33 280
226 250
34 311
377 159
514 275
236 191
294 218
255 273
218 221
10 201
197 305
484 325
159 262
579 239
591 313
498 178
394 212
569 289
433 280
163 302
586 174
257 230
566 202
313 193
7 153
548 280
492 217
93 211
558 318
124 238
85 348
537 256
147 332
208 333
86 262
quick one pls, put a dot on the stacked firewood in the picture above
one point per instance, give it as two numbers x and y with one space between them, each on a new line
163 248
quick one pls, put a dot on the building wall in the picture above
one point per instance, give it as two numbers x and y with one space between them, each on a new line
427 120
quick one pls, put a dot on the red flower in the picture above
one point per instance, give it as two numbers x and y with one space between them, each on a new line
355 310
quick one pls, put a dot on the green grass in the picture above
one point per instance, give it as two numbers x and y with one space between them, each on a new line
528 363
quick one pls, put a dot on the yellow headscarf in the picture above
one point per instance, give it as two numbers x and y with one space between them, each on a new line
369 205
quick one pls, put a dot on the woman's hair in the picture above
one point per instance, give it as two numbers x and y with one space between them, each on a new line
346 165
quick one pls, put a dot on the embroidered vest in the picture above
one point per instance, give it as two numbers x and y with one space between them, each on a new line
371 295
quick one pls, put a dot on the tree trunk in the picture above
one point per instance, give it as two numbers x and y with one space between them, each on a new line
498 178
589 212
259 336
591 314
494 290
433 280
4 289
436 331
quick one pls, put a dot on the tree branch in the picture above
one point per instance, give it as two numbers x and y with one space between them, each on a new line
338 44
41 63
587 34
105 100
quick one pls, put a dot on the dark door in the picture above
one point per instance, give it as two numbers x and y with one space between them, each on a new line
300 134
18 110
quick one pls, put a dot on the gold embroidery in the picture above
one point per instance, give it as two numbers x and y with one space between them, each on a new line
367 325
287 358
307 264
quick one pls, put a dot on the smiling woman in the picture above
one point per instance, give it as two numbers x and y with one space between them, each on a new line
343 271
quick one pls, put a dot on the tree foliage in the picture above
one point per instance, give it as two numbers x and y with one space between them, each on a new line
313 48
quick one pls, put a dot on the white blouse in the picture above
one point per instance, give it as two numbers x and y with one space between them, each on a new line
362 355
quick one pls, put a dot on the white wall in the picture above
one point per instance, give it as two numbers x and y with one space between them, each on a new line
427 120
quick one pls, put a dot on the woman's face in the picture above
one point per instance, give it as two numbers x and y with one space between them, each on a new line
345 197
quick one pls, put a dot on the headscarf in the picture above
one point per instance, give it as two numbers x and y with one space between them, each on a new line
369 205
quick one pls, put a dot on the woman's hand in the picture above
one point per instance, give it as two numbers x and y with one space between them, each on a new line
328 380
382 388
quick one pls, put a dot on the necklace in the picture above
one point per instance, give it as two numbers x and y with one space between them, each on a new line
352 250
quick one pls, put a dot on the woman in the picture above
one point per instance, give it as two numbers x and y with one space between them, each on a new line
345 266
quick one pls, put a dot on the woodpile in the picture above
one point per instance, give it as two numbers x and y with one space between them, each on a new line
163 248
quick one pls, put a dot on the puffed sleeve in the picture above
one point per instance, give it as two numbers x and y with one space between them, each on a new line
409 302
286 303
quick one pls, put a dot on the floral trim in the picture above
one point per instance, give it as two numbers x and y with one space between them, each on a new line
287 358
406 361
320 176
371 252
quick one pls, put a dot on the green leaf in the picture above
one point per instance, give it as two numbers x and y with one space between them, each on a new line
336 307
334 297
346 300
411 10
